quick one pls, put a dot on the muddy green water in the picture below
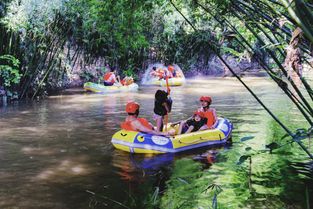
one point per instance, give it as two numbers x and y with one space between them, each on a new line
57 153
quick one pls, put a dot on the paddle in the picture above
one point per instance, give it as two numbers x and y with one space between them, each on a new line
168 93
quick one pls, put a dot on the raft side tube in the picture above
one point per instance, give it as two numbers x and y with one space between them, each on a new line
137 142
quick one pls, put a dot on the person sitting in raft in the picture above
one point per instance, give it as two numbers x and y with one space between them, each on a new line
162 106
208 113
127 81
133 123
158 73
110 78
193 124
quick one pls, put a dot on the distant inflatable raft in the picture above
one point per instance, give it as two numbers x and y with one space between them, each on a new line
171 81
99 88
138 142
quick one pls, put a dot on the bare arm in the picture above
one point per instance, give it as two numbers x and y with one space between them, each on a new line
215 119
204 127
137 125
178 122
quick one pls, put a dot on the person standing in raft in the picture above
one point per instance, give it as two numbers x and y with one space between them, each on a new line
133 123
171 71
208 113
110 78
162 106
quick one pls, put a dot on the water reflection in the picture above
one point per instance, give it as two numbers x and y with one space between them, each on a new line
128 163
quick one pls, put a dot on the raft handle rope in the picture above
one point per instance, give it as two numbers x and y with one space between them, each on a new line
181 142
123 134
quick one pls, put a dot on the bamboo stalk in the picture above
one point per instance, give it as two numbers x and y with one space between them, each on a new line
297 20
277 62
256 97
265 67
306 85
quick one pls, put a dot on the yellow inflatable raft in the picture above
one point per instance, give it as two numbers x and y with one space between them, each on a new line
171 81
99 88
138 142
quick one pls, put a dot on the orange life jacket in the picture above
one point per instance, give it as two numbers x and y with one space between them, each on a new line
107 76
160 73
210 116
126 82
127 124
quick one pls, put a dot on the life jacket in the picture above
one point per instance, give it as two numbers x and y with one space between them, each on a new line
160 73
127 124
210 116
127 81
107 76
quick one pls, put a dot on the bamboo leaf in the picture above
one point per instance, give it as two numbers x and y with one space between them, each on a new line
246 138
242 159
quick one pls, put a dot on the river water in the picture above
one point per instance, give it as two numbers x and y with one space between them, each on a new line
56 153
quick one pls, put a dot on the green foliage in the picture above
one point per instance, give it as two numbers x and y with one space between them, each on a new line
125 33
86 76
227 50
130 73
31 15
116 30
9 72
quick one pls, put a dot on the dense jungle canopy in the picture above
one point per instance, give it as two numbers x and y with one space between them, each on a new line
46 45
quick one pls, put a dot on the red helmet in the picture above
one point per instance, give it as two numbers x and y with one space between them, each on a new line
198 113
206 98
171 68
132 107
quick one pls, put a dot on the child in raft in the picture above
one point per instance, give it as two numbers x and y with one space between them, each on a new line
193 124
162 106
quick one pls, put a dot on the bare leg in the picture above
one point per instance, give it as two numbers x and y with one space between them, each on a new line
159 123
181 126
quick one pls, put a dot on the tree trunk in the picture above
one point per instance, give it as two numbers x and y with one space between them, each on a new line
293 60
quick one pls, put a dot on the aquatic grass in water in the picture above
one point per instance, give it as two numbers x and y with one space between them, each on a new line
183 187
264 178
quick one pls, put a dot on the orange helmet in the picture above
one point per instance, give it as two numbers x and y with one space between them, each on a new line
198 113
206 98
171 68
132 107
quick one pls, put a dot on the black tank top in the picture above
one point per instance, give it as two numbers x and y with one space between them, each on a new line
160 99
